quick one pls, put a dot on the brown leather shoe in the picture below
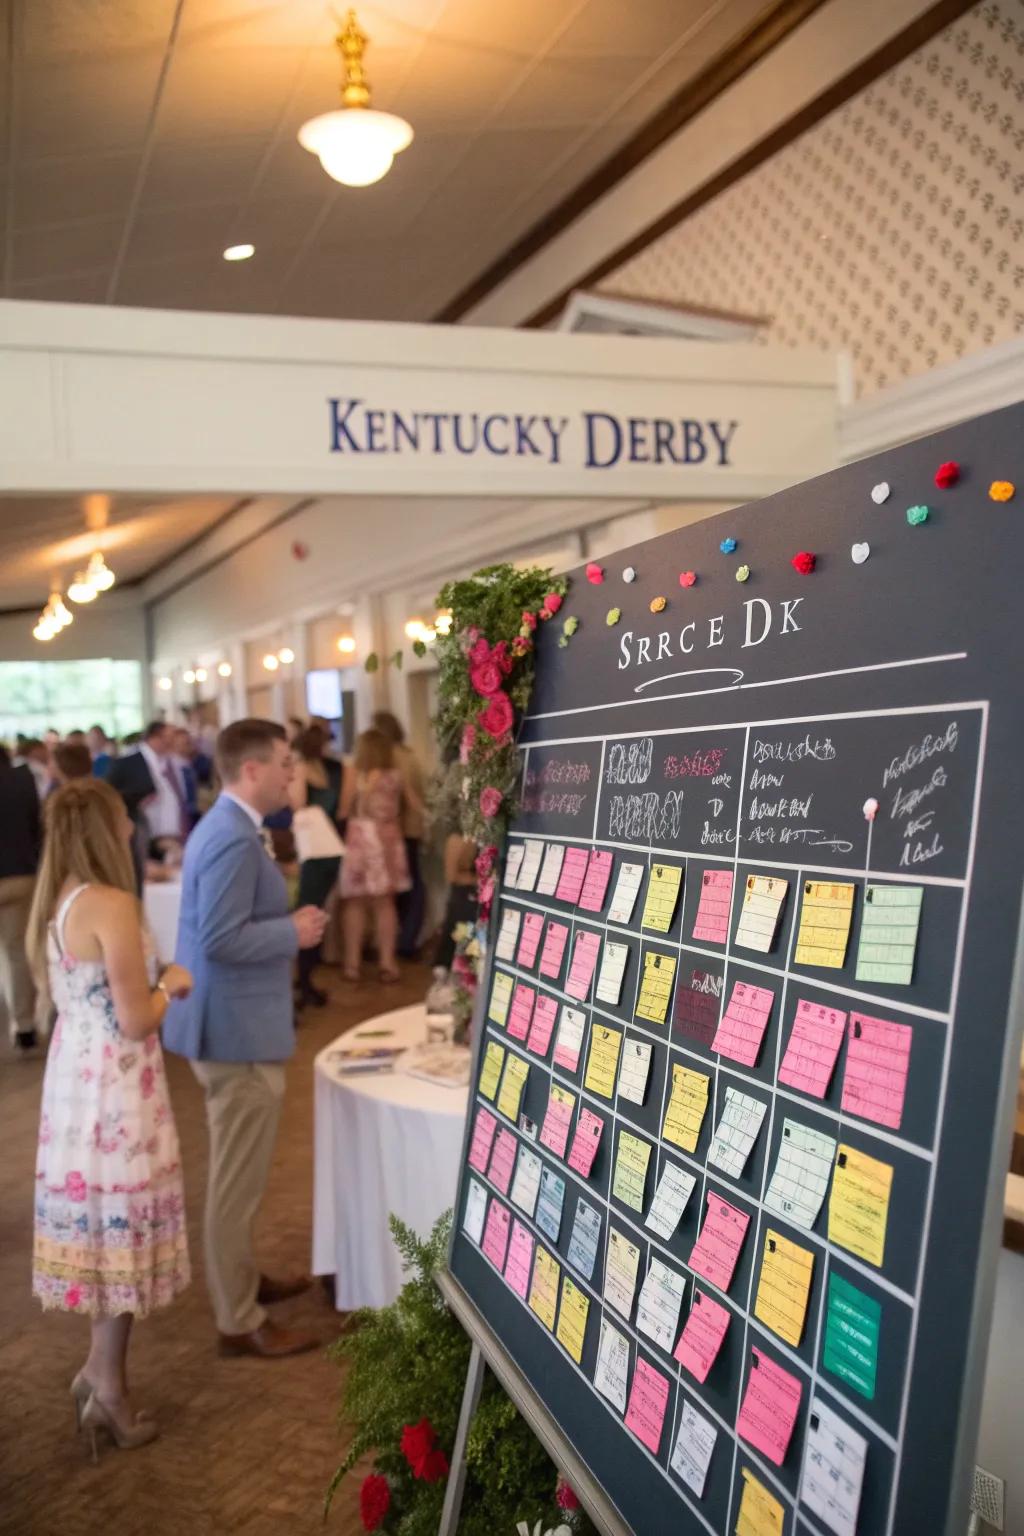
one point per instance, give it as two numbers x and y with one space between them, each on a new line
271 1291
267 1342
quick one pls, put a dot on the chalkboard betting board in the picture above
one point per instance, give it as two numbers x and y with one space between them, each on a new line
744 1059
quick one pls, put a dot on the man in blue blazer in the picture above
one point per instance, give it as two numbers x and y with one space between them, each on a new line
237 938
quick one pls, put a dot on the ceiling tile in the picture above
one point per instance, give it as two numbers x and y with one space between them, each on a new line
86 288
195 283
73 29
571 93
278 223
453 85
163 234
98 105
220 170
608 28
63 251
210 92
291 171
90 187
517 32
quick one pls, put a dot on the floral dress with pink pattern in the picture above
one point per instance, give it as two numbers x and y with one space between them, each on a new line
110 1205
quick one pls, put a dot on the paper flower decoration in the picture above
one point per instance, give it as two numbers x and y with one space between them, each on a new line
1001 490
743 573
687 578
659 604
870 809
803 562
880 492
727 546
917 515
859 553
629 574
947 474
613 616
595 573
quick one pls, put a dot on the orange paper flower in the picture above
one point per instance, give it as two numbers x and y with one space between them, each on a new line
1001 490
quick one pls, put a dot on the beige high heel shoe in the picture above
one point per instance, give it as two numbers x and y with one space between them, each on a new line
81 1391
96 1416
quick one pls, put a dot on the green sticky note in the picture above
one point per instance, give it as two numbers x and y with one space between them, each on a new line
853 1323
888 933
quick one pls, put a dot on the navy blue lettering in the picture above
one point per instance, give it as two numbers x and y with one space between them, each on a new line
723 440
340 434
523 439
375 432
436 417
488 424
411 434
664 432
591 420
694 447
556 434
637 426
474 442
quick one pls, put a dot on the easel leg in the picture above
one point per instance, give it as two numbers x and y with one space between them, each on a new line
457 1475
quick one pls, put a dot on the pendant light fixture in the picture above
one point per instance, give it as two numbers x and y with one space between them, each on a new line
357 144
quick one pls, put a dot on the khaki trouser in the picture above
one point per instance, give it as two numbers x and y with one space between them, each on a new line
17 991
243 1107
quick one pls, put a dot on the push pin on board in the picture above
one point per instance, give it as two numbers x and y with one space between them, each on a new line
870 809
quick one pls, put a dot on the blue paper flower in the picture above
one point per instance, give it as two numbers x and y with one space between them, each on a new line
727 546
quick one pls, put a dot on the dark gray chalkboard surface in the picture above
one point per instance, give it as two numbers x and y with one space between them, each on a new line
740 731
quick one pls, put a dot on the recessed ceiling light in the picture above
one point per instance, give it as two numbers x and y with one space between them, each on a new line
239 252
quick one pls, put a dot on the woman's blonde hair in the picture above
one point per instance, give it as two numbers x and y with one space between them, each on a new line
83 842
373 750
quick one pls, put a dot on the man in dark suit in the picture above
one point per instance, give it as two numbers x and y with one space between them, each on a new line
19 857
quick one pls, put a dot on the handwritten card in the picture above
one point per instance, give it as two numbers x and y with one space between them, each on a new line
529 869
513 865
520 1259
572 1319
825 917
800 1181
621 1261
686 1107
736 1132
634 1070
503 1159
544 1290
544 1016
529 942
555 940
858 1208
784 1287
769 1407
513 1081
569 1040
574 872
716 1251
853 1323
612 1369
698 1002
629 1178
877 1063
526 1184
585 1239
496 1234
613 968
760 1514
585 1142
603 1061
521 1012
584 959
484 1127
813 1047
554 1133
888 934
714 908
549 1206
551 869
508 933
762 908
656 987
490 1069
657 1308
670 1199
744 1022
692 1452
476 1210
648 1399
501 997
595 885
627 888
702 1335
833 1472
663 886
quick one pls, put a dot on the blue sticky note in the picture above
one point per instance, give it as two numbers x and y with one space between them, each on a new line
549 1205
585 1239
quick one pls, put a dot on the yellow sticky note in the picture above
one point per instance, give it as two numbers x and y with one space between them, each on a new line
784 1287
662 895
544 1287
501 997
859 1206
759 1514
572 1319
656 988
512 1084
630 1176
490 1071
825 918
603 1061
686 1108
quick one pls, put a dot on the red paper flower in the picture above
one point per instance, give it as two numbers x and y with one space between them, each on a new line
417 1443
434 1467
947 474
551 604
595 573
374 1501
565 1497
486 677
687 578
529 620
497 718
490 801
803 562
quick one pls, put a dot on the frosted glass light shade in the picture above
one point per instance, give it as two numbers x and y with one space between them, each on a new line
356 145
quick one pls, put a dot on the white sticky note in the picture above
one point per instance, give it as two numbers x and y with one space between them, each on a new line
476 1209
661 1297
547 881
613 968
627 888
695 1444
530 868
634 1068
674 1190
833 1471
612 1370
508 933
736 1132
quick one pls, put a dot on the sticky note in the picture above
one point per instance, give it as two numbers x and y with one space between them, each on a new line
888 934
476 1209
613 968
648 1399
697 1005
800 1181
508 933
581 969
702 1335
554 1133
612 1369
717 1249
521 1012
859 1204
670 1199
744 1022
762 908
627 888
736 1132
769 1407
513 1081
574 871
501 997
513 865
530 867
585 1142
544 1289
572 1319
657 1308
503 1159
549 1205
760 1513
551 869
595 884
784 1287
629 1178
812 1049
686 1108
877 1063
603 1060
621 1261
484 1127
833 1471
529 940
544 1015
853 1323
585 1239
633 1070
694 1447
526 1184
663 885
555 940
490 1069
520 1259
569 1040
825 916
711 925
656 987
496 1234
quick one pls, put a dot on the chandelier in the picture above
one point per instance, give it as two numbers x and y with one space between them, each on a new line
54 617
356 145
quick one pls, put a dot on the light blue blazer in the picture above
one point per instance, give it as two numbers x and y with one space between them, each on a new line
236 938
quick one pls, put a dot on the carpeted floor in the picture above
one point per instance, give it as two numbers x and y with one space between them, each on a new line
246 1445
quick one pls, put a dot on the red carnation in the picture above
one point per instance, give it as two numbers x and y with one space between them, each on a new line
417 1443
565 1497
434 1467
803 562
374 1501
486 677
551 604
498 717
595 573
947 474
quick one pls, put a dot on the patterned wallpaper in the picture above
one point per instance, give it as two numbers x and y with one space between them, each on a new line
894 228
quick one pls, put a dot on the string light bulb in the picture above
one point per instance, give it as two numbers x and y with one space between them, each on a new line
271 662
81 589
98 573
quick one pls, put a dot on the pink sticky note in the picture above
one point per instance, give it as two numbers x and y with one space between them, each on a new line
584 959
503 1159
529 939
554 1133
544 1016
648 1397
574 872
585 1142
877 1063
744 1022
521 1011
554 949
520 1259
714 908
484 1127
701 1338
595 885
496 1234
717 1249
769 1408
810 1056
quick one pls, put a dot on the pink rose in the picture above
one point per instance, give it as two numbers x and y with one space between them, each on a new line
484 862
490 801
75 1187
485 895
498 717
552 602
73 1296
147 1082
486 678
480 651
499 653
467 743
529 620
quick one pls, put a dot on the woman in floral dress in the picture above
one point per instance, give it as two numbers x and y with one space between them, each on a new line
110 1239
375 867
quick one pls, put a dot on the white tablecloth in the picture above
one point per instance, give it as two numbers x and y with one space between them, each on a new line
384 1142
162 904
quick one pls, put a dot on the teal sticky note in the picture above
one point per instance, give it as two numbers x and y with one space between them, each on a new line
888 934
852 1325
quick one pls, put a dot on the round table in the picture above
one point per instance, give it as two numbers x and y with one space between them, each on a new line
384 1143
161 900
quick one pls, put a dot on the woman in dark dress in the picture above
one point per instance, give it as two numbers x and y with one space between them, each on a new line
317 782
